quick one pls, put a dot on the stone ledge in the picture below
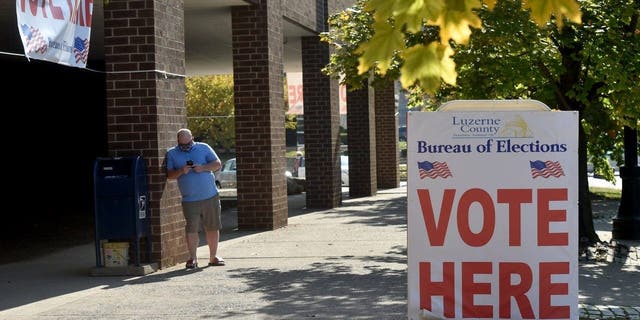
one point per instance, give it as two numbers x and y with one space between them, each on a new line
129 270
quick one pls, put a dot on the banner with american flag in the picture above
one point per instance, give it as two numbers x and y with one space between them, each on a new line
492 214
58 31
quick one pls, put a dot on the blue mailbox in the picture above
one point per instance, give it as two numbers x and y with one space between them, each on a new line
121 203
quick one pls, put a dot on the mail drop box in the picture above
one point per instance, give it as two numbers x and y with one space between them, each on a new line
121 198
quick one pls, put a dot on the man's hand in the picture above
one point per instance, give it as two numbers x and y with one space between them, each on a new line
199 168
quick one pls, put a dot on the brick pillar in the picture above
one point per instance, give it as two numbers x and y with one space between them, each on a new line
361 128
145 108
387 158
321 127
259 115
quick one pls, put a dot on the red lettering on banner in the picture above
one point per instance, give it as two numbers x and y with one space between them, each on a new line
295 95
88 5
56 12
489 217
546 215
436 231
548 288
80 12
446 288
471 288
508 290
514 198
76 14
34 5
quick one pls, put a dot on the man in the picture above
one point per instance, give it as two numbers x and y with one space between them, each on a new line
192 164
297 163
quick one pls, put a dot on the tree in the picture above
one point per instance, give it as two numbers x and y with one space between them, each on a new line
210 109
587 67
591 67
428 63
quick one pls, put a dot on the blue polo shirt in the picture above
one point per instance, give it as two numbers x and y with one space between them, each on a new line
194 186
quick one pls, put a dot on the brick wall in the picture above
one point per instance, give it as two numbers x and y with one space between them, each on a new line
145 108
321 127
303 12
361 133
313 14
259 115
387 157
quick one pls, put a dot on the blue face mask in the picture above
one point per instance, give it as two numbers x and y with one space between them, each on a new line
186 147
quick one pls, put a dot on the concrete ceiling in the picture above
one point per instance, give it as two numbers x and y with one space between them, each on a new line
207 36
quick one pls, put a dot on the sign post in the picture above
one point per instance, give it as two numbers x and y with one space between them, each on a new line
492 212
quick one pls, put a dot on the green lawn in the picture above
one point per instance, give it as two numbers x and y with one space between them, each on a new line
606 193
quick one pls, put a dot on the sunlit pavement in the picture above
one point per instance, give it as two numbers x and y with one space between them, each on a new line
601 183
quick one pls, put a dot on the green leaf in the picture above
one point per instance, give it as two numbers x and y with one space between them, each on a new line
543 10
382 9
456 21
416 13
380 49
428 65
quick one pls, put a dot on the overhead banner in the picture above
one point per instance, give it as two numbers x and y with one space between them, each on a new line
492 214
56 30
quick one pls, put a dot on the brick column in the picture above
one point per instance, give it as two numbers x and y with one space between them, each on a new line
387 157
361 128
145 108
321 127
259 115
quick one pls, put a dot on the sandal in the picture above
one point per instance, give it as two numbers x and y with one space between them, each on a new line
217 262
191 264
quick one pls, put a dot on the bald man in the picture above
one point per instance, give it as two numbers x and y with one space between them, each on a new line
192 164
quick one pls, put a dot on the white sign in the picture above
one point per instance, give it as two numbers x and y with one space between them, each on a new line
56 30
492 215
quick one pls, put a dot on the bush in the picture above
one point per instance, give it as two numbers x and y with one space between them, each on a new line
403 172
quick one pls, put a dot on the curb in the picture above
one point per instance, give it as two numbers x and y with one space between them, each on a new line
588 311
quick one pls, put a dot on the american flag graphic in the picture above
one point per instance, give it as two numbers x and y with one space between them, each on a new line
35 41
546 169
81 49
433 170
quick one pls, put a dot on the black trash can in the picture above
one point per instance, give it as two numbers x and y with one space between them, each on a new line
120 201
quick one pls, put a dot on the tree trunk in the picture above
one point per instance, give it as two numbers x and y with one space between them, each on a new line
572 64
586 229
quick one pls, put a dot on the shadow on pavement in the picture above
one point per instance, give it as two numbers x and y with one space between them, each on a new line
609 270
327 290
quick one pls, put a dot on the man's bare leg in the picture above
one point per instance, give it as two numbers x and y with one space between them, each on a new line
213 238
192 243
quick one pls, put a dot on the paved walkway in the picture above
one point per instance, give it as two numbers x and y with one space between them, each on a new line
344 263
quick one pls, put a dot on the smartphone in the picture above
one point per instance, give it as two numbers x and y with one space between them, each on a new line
190 163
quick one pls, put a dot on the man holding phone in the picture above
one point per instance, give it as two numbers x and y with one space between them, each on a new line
192 164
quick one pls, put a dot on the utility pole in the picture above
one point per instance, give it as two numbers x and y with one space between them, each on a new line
626 224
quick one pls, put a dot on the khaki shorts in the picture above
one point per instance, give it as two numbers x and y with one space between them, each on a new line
207 211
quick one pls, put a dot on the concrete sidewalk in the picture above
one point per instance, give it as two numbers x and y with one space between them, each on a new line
345 263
